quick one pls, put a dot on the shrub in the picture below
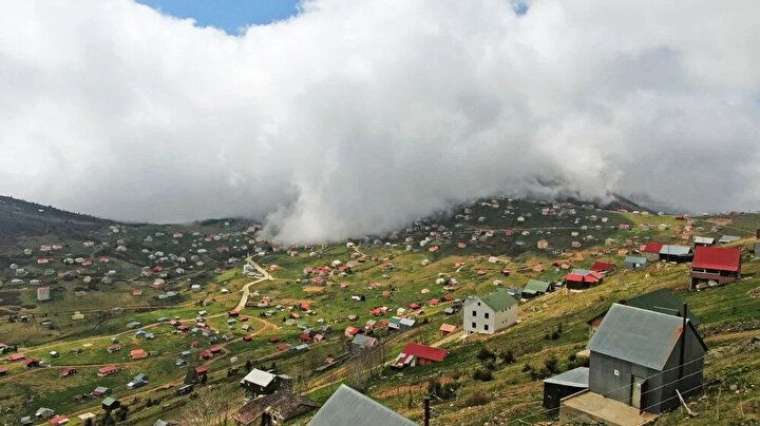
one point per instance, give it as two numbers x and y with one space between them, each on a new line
477 398
486 354
508 357
482 375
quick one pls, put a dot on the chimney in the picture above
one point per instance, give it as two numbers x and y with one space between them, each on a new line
426 421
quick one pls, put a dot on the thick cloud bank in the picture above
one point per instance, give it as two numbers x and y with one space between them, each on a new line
359 116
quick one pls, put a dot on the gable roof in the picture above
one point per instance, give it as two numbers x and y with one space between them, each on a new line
675 250
728 239
652 247
258 377
636 259
425 352
536 286
364 341
499 300
720 258
639 336
347 407
602 266
704 240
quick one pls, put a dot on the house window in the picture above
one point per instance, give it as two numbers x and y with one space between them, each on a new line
486 315
485 327
474 313
474 325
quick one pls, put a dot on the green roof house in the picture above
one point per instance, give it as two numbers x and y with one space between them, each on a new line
490 313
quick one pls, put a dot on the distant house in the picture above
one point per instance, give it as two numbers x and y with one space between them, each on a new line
362 342
676 253
489 313
415 354
713 266
603 267
536 288
43 294
635 262
580 279
137 354
100 391
351 331
562 385
259 381
446 329
728 239
280 406
347 407
703 241
651 250
139 380
639 359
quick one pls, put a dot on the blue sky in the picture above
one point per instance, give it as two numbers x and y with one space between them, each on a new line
229 15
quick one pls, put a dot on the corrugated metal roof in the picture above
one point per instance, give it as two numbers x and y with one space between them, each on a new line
639 336
636 259
258 377
704 240
663 301
347 407
675 250
720 258
728 239
577 377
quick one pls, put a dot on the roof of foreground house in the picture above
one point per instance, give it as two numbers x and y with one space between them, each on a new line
347 407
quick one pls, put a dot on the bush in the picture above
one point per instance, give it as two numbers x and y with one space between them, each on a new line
486 354
482 375
551 364
508 357
527 367
477 398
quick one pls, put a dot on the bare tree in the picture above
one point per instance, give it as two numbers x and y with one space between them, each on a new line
212 407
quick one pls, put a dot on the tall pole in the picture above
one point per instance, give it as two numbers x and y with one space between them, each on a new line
427 411
683 343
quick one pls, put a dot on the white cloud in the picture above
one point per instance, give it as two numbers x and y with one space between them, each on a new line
359 116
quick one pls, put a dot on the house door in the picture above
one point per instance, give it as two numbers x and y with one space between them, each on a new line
637 392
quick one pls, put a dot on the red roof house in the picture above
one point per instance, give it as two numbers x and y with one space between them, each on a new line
201 370
16 357
417 354
603 267
652 248
581 278
715 266
107 370
351 331
137 354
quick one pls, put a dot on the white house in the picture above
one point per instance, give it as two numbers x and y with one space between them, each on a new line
490 313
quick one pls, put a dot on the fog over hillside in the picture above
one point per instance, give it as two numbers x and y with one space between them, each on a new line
358 116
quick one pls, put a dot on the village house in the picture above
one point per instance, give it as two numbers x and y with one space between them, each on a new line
728 239
703 241
580 279
362 342
490 313
137 354
713 266
676 253
107 370
347 407
641 363
635 262
276 409
259 381
447 329
603 267
43 294
562 385
536 288
415 354
651 250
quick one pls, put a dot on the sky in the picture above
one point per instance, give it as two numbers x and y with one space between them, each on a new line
358 117
232 16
